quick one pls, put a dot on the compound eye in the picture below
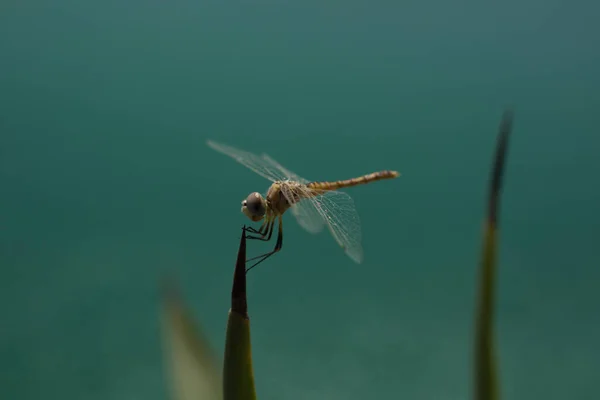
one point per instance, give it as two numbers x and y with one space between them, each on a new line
254 203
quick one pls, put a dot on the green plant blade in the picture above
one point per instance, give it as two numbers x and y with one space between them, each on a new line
190 363
486 381
238 375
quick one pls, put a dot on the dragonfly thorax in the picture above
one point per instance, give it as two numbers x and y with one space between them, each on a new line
254 206
281 195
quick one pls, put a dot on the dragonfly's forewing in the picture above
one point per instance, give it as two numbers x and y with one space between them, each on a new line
256 163
284 171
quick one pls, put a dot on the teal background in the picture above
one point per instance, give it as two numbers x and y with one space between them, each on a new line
107 184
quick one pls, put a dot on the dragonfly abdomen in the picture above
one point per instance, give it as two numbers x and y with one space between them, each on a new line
361 180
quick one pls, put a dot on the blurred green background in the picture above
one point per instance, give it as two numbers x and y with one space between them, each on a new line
106 183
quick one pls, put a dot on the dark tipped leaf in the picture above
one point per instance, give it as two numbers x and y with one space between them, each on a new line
486 385
238 376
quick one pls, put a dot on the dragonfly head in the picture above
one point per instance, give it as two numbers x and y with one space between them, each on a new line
254 206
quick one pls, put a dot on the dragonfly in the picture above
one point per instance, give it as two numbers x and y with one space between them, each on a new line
314 204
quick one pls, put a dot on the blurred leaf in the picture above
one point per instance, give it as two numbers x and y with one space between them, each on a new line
192 367
238 375
486 385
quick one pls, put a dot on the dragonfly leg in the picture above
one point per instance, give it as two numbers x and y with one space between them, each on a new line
278 246
264 226
262 237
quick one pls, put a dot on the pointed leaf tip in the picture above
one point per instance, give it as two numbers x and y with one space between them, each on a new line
239 302
238 375
504 132
485 376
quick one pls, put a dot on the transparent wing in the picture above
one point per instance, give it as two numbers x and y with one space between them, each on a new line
338 211
291 175
337 208
305 213
258 164
307 216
